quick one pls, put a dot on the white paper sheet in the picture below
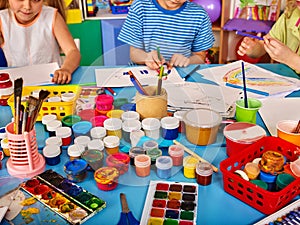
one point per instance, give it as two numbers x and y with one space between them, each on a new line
33 75
275 109
117 77
258 80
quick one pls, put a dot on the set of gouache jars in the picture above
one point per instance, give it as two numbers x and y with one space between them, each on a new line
118 160
6 88
106 178
113 127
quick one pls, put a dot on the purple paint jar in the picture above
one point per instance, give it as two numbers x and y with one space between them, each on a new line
169 127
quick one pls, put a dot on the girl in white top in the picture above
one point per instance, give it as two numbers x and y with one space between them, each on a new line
33 33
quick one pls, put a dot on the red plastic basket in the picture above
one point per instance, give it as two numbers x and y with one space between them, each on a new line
265 201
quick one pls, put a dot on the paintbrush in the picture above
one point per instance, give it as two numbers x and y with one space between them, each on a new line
18 87
32 104
297 129
24 119
43 94
159 83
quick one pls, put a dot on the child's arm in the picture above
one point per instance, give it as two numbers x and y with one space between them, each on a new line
182 61
67 44
252 47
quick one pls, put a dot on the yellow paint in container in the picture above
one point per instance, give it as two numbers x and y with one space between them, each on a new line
5 146
189 166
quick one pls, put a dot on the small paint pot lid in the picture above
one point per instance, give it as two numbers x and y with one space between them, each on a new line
117 158
284 180
150 124
111 141
48 118
260 183
113 124
75 150
53 141
190 162
179 114
70 120
63 132
203 118
98 132
96 144
98 121
244 132
106 175
75 166
115 113
68 96
134 151
53 125
51 151
104 99
175 150
164 162
82 140
204 169
131 125
267 177
169 122
82 127
154 153
92 155
87 114
130 115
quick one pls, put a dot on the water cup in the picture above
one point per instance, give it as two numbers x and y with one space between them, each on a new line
285 131
244 114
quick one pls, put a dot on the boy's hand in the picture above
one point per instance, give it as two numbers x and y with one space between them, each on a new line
153 61
179 60
62 76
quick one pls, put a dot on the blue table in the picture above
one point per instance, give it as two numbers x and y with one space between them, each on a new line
215 206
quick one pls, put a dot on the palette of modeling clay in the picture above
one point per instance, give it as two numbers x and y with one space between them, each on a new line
64 197
170 203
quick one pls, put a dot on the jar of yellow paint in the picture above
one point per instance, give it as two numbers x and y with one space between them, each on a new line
189 166
5 146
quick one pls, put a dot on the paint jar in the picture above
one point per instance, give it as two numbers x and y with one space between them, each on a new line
283 180
87 114
65 133
295 167
151 127
129 126
130 115
52 126
98 133
83 141
176 152
142 165
68 96
104 102
76 170
118 102
111 144
164 166
154 154
118 160
189 166
74 151
5 146
260 184
202 126
54 141
252 170
98 121
113 127
269 179
285 130
240 135
47 119
2 133
135 151
106 178
179 115
204 173
6 88
94 158
114 113
151 105
70 120
272 162
52 154
135 137
150 144
169 127
96 144
82 128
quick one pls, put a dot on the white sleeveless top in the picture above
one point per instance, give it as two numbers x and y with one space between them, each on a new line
29 44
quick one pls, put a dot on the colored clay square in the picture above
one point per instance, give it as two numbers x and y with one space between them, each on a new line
170 222
156 212
162 187
189 188
159 203
185 223
173 214
173 204
187 215
188 206
161 194
188 197
175 187
174 195
155 221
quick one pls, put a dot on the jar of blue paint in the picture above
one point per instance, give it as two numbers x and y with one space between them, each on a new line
76 170
82 128
169 127
270 179
163 166
51 153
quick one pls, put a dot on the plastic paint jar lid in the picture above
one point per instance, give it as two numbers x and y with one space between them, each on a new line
267 177
82 127
70 120
154 153
54 99
295 167
179 115
131 125
130 115
48 118
260 183
204 169
98 121
284 180
75 150
75 166
118 158
142 160
252 170
134 151
96 144
53 125
242 174
63 132
82 140
111 141
256 160
150 144
113 124
98 132
175 150
51 151
67 97
190 162
115 113
106 175
150 124
164 162
169 122
54 141
3 133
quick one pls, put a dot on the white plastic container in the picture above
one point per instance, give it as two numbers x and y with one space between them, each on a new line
169 127
82 140
98 133
96 144
135 137
52 154
151 127
113 127
128 126
130 115
74 151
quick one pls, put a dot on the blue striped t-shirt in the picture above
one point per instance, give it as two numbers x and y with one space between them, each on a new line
182 31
